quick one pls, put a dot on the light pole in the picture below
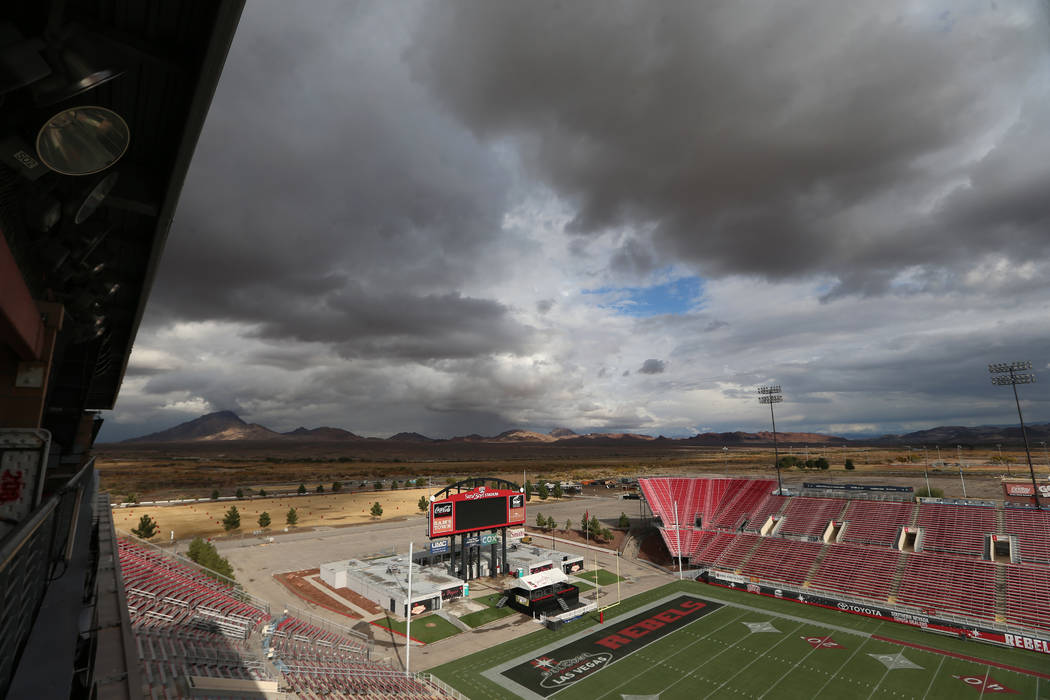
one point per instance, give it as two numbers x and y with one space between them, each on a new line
999 447
725 459
1005 373
926 469
958 457
771 395
1046 454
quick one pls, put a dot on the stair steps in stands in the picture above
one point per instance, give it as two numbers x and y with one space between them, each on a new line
898 575
502 601
562 604
750 553
1000 522
914 515
1000 593
816 564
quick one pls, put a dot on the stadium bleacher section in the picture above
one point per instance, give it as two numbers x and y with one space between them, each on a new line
1032 530
809 517
187 624
876 522
955 529
948 575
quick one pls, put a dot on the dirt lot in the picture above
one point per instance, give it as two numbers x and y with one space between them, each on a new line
320 510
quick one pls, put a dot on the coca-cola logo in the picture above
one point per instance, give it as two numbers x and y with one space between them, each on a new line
442 510
517 501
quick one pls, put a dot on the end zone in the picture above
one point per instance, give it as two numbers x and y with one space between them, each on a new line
547 670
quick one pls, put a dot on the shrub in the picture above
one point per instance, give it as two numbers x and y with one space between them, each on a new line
232 519
205 554
264 519
215 494
147 528
292 517
302 488
377 510
849 465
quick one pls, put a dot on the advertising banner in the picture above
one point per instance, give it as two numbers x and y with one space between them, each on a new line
439 546
1021 492
858 487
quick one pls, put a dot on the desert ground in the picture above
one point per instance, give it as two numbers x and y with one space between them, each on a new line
314 511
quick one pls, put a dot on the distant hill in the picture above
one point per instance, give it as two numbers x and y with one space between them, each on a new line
409 437
227 426
961 435
221 425
322 433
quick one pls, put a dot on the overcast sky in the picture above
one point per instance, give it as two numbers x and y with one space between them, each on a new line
455 217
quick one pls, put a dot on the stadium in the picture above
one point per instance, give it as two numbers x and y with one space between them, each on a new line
720 587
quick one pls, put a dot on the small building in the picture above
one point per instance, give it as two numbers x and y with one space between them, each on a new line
384 581
544 592
531 559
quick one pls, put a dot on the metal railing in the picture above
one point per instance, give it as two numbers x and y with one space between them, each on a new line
30 557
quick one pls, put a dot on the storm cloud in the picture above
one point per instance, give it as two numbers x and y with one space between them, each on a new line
457 217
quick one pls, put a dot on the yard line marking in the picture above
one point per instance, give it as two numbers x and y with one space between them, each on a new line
789 671
756 659
934 678
839 669
964 657
700 639
984 685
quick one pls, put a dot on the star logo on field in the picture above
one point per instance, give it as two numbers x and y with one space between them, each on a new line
892 661
756 627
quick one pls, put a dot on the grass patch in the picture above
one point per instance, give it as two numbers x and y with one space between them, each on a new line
421 627
583 586
600 576
480 617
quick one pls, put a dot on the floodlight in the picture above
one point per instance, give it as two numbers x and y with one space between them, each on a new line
83 140
77 68
1007 377
1014 379
94 197
771 395
998 367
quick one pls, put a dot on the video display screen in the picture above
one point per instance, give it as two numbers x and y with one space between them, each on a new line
482 513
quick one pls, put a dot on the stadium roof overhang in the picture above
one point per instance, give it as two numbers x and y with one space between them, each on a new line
153 63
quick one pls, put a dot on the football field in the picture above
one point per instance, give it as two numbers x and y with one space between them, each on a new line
688 640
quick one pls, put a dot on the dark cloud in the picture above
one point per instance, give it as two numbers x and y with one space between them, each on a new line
652 366
749 144
335 205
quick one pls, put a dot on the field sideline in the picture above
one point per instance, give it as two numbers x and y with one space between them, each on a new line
741 645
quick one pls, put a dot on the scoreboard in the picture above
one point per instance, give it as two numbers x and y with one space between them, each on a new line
479 509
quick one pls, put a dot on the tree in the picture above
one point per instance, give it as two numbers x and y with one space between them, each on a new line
933 493
541 520
292 517
379 486
264 519
205 554
606 534
849 465
528 491
822 463
302 488
625 522
377 510
543 491
262 493
595 526
131 498
147 528
557 492
393 484
337 486
232 519
240 494
423 503
320 488
215 494
568 524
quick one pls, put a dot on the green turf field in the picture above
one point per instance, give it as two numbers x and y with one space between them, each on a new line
426 629
490 613
748 646
601 576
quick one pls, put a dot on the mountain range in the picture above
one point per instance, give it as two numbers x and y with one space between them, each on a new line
224 426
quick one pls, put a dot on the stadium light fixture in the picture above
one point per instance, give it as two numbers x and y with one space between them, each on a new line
772 395
83 140
1006 374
